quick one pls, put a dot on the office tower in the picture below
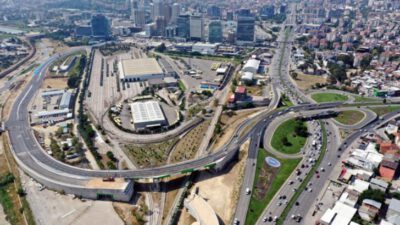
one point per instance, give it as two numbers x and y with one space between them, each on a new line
183 29
214 12
229 16
196 28
244 13
100 26
245 29
215 31
267 11
166 11
175 12
160 26
157 9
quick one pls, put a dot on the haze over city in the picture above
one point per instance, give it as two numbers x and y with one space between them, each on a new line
178 112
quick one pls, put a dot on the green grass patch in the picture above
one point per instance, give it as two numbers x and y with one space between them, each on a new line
329 97
181 86
287 138
350 117
303 185
267 183
384 109
285 101
365 99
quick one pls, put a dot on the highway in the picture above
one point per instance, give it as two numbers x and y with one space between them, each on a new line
35 161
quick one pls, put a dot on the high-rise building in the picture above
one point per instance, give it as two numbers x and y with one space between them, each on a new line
214 12
229 16
244 13
139 16
267 11
100 26
245 29
175 12
183 29
215 31
157 9
196 28
160 26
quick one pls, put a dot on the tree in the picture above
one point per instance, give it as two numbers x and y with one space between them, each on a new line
161 48
111 156
366 61
285 141
294 75
373 194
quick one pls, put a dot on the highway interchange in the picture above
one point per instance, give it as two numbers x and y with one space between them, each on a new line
36 162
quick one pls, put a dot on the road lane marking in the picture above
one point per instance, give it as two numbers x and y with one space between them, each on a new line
19 104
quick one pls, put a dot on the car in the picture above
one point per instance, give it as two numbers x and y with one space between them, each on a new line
265 219
275 219
236 221
248 191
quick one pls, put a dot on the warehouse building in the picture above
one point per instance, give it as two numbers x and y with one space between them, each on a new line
131 70
147 115
252 66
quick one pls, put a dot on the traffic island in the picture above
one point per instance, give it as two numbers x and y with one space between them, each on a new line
350 117
268 181
290 136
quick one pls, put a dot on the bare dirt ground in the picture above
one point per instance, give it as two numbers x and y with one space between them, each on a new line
55 83
221 190
62 209
131 213
229 126
305 81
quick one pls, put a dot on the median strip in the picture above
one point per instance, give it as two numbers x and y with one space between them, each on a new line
303 185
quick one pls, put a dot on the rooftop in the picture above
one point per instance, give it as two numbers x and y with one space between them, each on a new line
137 67
149 111
99 183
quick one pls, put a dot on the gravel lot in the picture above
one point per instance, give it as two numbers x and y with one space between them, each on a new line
51 208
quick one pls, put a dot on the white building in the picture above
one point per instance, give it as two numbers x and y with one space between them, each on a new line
147 115
205 48
251 65
340 214
131 70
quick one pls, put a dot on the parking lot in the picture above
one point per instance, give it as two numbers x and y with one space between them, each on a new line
105 89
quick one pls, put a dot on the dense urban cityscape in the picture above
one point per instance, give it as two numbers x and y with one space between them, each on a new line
163 112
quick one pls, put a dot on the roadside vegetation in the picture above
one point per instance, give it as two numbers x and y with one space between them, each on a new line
306 180
189 144
84 126
350 117
285 101
268 181
12 195
290 136
150 155
384 109
329 97
365 99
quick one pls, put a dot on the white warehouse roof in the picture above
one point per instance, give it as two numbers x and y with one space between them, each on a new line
149 111
139 67
252 63
340 214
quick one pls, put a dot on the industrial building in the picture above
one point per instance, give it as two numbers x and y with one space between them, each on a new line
252 66
205 48
147 115
131 70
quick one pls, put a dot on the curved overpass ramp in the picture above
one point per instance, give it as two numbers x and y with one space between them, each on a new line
86 183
